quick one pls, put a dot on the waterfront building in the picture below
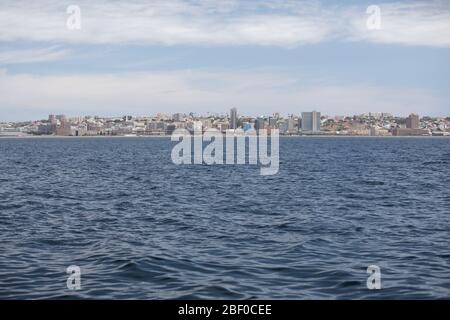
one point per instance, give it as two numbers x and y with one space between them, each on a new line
52 118
170 128
413 121
291 128
233 118
260 123
178 117
46 128
410 132
206 123
273 122
311 121
62 119
283 126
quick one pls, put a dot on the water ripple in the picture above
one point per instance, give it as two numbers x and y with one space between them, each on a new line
141 227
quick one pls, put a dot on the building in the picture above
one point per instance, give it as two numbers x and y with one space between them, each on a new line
248 126
65 130
206 123
223 126
291 129
47 128
273 122
283 126
410 132
311 121
413 121
377 131
233 118
170 128
178 117
11 132
260 123
155 128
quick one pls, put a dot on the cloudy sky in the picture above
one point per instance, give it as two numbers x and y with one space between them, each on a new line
205 56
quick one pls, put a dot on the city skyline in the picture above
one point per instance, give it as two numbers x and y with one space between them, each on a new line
312 122
180 56
225 113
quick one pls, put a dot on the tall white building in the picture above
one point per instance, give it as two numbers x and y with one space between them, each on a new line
311 121
233 118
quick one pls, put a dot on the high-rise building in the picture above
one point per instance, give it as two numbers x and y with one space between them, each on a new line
233 118
52 118
413 121
260 123
311 121
291 125
283 126
61 117
273 122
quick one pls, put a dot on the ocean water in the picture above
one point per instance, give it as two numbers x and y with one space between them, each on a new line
140 227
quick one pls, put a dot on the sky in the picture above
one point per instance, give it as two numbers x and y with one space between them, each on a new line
207 56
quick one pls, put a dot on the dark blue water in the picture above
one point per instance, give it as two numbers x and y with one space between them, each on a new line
142 227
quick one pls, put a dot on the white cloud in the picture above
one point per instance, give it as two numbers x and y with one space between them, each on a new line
184 91
225 22
162 22
32 55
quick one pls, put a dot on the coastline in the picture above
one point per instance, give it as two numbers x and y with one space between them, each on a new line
77 137
168 136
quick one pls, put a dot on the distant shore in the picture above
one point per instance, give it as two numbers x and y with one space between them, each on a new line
168 136
76 137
